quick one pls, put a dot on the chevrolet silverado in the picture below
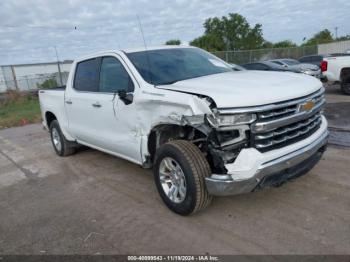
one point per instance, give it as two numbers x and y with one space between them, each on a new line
206 129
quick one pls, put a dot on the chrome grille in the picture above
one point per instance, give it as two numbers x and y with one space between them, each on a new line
286 135
284 125
291 108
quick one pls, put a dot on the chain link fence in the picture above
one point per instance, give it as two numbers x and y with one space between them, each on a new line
28 83
249 56
27 77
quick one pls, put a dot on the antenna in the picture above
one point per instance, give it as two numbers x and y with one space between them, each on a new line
144 43
143 37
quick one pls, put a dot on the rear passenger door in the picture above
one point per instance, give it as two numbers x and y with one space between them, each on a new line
79 100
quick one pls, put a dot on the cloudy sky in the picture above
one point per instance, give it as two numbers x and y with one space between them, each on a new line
30 29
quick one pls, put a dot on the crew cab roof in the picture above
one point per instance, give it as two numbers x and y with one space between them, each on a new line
139 49
131 50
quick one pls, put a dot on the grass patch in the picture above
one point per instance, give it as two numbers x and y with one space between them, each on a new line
19 110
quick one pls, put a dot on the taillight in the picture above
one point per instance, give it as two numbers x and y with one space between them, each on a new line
324 65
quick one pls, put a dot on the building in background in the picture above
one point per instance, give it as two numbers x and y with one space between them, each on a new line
334 48
32 76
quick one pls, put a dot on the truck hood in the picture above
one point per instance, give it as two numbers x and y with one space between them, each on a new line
248 88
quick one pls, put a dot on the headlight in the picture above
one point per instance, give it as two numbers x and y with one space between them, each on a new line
236 119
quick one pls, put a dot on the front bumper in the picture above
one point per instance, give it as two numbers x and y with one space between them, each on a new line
254 170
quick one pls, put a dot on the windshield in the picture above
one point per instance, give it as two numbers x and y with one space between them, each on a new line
291 62
167 66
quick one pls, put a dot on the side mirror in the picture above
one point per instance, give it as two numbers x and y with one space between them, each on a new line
127 98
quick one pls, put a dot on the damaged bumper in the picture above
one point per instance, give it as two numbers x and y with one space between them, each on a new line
253 170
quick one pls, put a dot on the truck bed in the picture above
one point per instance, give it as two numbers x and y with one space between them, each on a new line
52 100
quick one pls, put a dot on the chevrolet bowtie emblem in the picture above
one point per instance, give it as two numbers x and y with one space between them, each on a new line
307 106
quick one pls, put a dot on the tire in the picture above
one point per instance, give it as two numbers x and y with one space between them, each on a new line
345 85
194 169
62 146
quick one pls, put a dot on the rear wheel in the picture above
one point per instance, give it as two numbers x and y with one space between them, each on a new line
62 146
179 172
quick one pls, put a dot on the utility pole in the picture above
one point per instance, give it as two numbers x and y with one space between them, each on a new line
59 67
336 33
14 77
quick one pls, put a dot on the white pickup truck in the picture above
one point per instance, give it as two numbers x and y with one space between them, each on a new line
337 69
206 129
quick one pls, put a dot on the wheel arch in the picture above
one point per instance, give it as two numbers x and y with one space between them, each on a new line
345 72
165 132
49 117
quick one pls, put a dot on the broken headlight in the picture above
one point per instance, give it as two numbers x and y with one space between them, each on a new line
236 119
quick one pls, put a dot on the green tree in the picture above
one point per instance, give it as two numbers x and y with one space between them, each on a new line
343 38
208 42
48 83
322 37
284 44
267 44
229 33
173 42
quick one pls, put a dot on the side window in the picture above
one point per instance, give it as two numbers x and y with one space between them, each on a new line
114 77
86 76
277 62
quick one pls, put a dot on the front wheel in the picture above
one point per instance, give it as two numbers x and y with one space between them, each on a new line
179 172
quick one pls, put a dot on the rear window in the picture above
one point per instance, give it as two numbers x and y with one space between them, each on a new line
86 76
317 58
306 59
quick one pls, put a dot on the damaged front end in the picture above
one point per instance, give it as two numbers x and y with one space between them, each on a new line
225 136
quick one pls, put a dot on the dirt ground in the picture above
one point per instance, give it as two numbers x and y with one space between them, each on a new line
94 203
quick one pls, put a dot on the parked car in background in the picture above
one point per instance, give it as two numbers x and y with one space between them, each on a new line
236 67
267 66
337 69
312 59
304 68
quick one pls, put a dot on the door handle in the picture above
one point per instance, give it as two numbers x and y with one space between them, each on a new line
69 102
97 104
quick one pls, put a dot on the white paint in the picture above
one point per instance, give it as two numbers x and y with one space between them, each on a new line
123 130
249 88
334 67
